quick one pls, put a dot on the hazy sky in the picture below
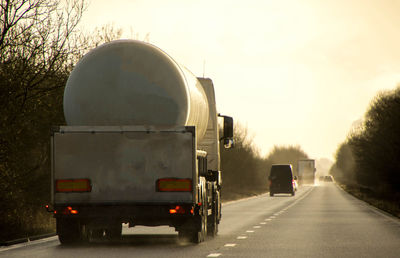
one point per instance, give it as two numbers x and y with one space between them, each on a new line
295 72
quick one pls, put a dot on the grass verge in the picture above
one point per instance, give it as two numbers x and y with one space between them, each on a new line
388 204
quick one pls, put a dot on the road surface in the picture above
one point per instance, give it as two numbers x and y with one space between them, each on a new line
320 221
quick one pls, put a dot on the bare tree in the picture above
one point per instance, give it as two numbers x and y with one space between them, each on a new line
243 169
103 34
35 46
37 52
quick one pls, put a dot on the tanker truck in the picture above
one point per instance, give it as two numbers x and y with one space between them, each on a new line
141 147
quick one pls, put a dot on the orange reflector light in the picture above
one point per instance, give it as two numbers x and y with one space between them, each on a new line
174 185
178 210
73 185
69 210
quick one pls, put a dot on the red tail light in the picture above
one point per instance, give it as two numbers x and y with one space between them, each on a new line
177 210
69 210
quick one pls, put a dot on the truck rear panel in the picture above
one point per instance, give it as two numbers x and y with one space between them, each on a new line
306 171
122 165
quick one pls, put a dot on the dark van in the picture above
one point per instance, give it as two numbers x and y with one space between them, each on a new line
281 179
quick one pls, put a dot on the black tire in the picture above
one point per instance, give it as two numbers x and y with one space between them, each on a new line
195 230
293 193
219 214
198 231
69 231
212 225
200 236
196 237
97 233
212 220
183 235
271 193
192 235
114 232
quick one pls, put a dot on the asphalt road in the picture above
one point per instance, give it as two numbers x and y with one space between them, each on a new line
320 221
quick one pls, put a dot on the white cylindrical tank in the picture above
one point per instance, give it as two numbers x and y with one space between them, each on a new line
128 82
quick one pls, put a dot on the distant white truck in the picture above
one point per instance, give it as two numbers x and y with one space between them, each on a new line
306 171
141 146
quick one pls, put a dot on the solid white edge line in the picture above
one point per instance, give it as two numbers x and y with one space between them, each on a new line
29 243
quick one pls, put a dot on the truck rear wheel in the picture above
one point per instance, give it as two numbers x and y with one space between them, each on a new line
190 235
96 234
212 220
199 236
69 231
114 232
196 232
212 226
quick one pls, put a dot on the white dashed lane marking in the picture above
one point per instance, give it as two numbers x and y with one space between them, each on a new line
256 227
230 245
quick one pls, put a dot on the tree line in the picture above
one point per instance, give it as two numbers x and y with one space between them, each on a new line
368 159
245 172
39 46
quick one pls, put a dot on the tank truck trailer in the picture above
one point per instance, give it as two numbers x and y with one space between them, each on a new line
141 146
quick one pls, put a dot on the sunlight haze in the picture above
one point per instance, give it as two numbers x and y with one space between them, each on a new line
293 72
